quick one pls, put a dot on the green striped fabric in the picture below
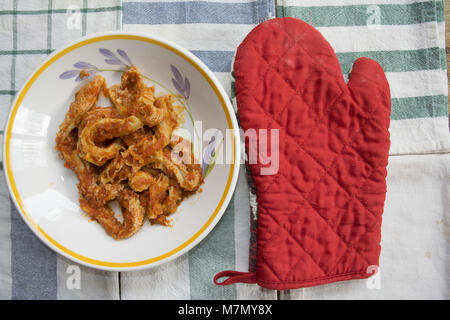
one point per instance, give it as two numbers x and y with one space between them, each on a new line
23 42
356 15
398 60
407 39
29 32
53 11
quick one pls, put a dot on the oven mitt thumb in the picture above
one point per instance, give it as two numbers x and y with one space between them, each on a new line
321 195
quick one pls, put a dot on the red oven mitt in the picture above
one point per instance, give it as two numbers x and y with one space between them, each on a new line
319 215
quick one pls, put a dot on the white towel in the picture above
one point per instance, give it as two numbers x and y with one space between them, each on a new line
407 37
29 31
415 237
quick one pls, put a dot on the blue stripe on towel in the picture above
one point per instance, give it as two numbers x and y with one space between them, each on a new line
214 254
217 61
195 12
33 265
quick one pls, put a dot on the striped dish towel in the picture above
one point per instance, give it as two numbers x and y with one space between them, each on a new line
407 37
29 31
212 30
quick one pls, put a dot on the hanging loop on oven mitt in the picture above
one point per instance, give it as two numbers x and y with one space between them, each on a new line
320 207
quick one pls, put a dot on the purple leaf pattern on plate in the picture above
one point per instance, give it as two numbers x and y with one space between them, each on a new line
208 154
81 65
107 53
84 65
125 57
177 74
183 87
115 62
177 86
187 88
112 59
69 74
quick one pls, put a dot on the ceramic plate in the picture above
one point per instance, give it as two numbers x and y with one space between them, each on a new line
45 192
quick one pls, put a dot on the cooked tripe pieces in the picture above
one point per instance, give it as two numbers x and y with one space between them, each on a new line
67 136
85 99
127 153
132 97
188 177
141 181
101 130
132 211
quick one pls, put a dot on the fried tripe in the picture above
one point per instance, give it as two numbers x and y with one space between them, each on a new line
124 153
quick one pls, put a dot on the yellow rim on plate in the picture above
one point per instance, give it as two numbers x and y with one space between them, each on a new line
10 175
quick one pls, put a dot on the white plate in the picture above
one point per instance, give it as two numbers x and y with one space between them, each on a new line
45 192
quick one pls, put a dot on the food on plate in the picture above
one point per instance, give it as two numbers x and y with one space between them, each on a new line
127 152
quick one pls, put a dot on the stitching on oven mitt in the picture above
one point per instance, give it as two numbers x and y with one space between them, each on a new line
319 216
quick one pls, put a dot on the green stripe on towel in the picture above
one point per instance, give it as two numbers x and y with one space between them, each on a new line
399 60
419 107
360 15
214 254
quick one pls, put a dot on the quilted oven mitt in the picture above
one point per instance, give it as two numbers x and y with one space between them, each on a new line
319 215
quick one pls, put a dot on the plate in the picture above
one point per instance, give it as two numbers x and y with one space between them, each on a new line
45 192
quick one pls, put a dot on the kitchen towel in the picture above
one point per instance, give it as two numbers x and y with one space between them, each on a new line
29 31
415 237
407 37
